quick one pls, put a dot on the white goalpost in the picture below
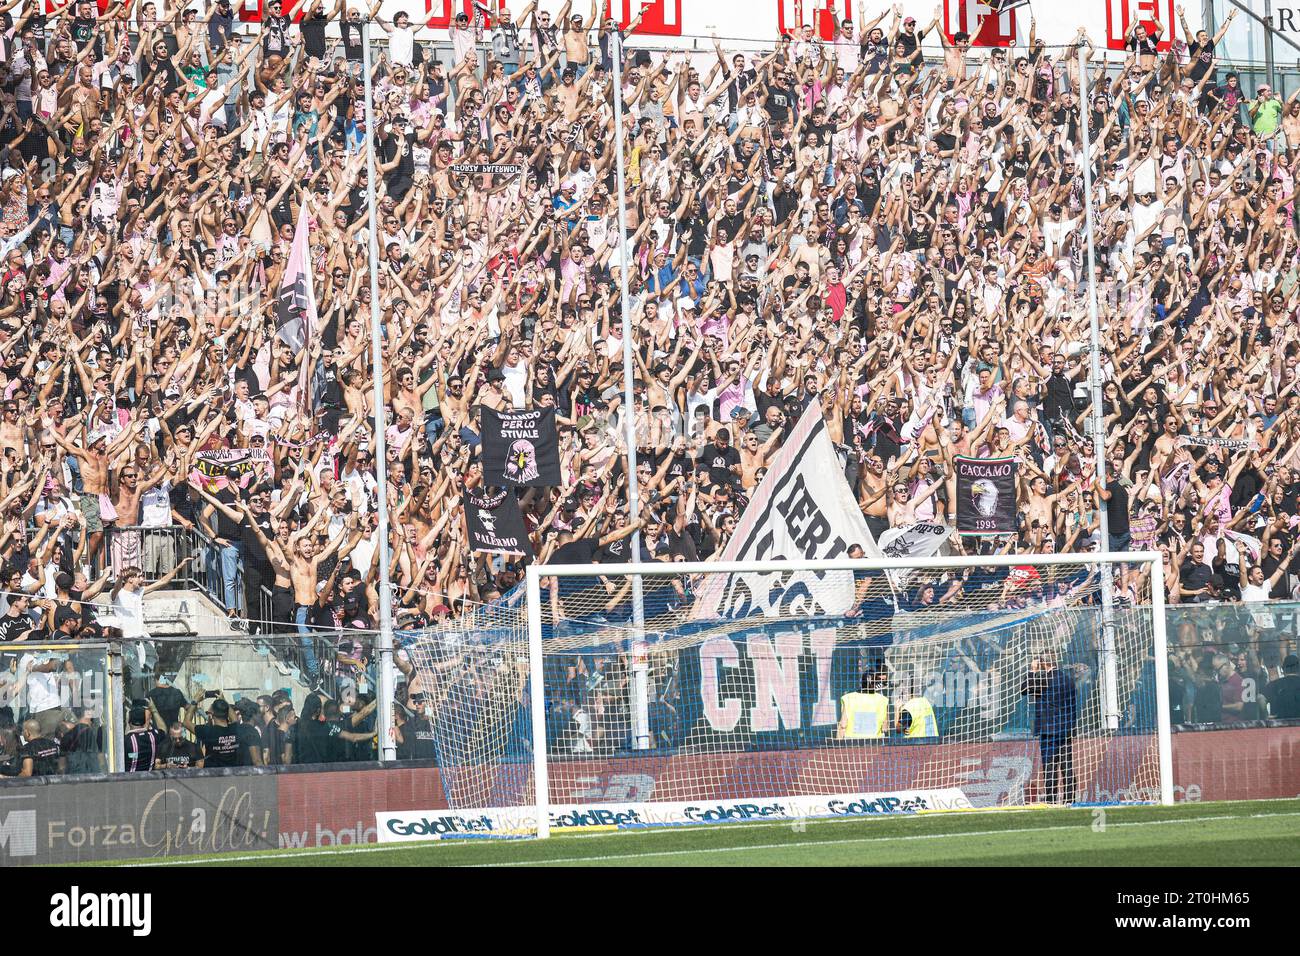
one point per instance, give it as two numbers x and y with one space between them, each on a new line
800 689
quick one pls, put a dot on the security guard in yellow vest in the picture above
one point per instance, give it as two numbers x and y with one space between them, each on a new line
864 714
916 719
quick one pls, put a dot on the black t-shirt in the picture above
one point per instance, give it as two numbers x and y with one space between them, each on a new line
793 286
616 552
400 144
178 755
352 40
314 743
1144 46
282 212
249 737
83 33
1209 703
274 742
417 740
227 528
784 204
313 34
1195 576
739 82
719 461
44 754
1229 579
780 154
332 392
253 550
1202 56
732 224
181 503
163 69
143 745
680 468
1117 509
169 702
886 440
582 551
220 745
911 44
780 102
14 626
1283 697
694 231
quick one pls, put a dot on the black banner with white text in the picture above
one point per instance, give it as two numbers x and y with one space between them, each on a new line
520 449
986 495
494 522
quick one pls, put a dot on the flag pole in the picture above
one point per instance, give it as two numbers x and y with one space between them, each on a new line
640 663
384 641
1109 661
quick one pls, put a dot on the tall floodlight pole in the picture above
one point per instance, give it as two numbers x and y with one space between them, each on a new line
384 645
640 664
1110 682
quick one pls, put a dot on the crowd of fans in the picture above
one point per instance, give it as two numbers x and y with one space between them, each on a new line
841 223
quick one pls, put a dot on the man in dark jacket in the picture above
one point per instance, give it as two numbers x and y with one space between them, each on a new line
1056 711
314 742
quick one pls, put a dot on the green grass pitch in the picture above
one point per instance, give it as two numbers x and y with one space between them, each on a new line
1259 833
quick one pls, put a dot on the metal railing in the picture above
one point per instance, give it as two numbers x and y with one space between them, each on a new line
155 552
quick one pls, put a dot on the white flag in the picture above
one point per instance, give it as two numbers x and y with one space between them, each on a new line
802 510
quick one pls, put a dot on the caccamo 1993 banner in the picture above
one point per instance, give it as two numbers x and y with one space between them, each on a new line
986 495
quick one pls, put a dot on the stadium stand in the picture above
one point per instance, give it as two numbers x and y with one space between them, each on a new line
842 223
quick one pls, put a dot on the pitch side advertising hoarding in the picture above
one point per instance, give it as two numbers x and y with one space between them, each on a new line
145 816
67 820
411 826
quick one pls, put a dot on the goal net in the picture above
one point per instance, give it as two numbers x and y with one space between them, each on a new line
694 694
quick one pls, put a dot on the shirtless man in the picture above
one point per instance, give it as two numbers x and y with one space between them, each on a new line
132 485
1039 505
754 456
13 432
275 548
304 567
569 97
873 503
1165 444
454 403
1144 44
96 459
954 55
577 50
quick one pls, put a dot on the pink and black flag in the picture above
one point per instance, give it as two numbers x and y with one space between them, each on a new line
295 309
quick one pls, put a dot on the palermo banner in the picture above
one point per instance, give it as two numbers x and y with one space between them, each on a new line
986 495
494 522
803 508
521 449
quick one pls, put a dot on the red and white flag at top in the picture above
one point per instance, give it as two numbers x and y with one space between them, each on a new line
295 308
